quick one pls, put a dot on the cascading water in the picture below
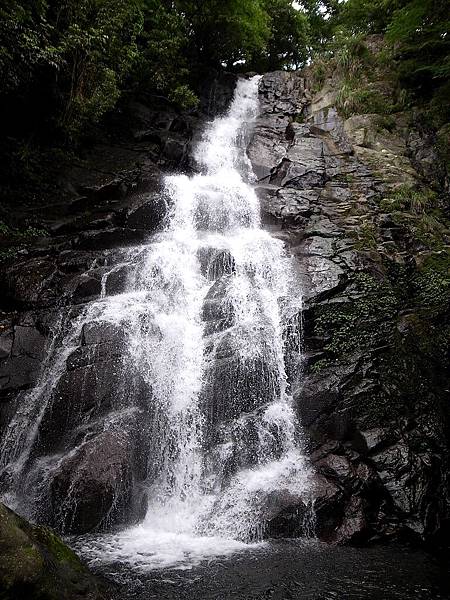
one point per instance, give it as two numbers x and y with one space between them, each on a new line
206 322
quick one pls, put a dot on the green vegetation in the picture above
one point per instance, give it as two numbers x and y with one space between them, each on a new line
13 239
406 40
68 58
352 100
30 232
363 321
37 564
288 40
368 318
432 286
406 197
420 212
443 145
385 123
417 31
74 59
66 64
366 237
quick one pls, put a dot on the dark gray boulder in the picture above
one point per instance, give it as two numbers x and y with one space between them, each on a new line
92 487
147 212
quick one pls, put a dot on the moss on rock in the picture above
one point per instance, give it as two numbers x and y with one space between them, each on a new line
36 564
362 322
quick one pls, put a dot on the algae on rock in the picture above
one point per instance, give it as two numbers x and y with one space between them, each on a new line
36 564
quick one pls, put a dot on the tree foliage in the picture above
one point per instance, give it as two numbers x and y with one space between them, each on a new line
287 44
416 32
421 29
225 32
367 16
417 29
74 58
68 58
162 64
96 40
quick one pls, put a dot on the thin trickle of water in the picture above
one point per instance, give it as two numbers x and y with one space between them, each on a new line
21 432
205 319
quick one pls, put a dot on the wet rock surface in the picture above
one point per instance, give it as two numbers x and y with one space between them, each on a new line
90 450
93 484
372 391
371 394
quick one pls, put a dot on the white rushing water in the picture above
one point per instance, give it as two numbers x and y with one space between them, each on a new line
206 313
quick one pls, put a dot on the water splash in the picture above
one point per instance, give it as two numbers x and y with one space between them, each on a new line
206 320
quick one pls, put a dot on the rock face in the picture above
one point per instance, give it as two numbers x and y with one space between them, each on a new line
93 486
372 392
91 444
36 564
371 395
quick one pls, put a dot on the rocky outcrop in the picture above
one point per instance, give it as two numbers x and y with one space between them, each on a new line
94 484
91 444
35 563
372 392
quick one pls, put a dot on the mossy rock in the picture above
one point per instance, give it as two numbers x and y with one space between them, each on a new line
35 564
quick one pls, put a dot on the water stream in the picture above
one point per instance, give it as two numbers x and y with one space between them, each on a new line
206 320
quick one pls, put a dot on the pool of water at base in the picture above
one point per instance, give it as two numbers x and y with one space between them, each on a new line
293 570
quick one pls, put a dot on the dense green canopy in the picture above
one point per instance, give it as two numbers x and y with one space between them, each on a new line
76 56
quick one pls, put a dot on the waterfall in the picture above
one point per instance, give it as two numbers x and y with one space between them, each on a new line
207 325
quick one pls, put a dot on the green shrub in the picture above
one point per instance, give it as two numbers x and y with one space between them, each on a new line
351 54
320 71
362 322
386 123
12 234
355 97
443 146
409 198
366 237
431 283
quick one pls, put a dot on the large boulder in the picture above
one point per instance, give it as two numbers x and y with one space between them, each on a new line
22 348
29 282
92 487
35 564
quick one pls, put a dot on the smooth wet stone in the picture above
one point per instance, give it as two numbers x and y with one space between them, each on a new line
316 246
320 276
85 286
18 372
101 332
6 341
287 205
147 212
92 486
322 226
110 238
265 154
218 310
29 341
